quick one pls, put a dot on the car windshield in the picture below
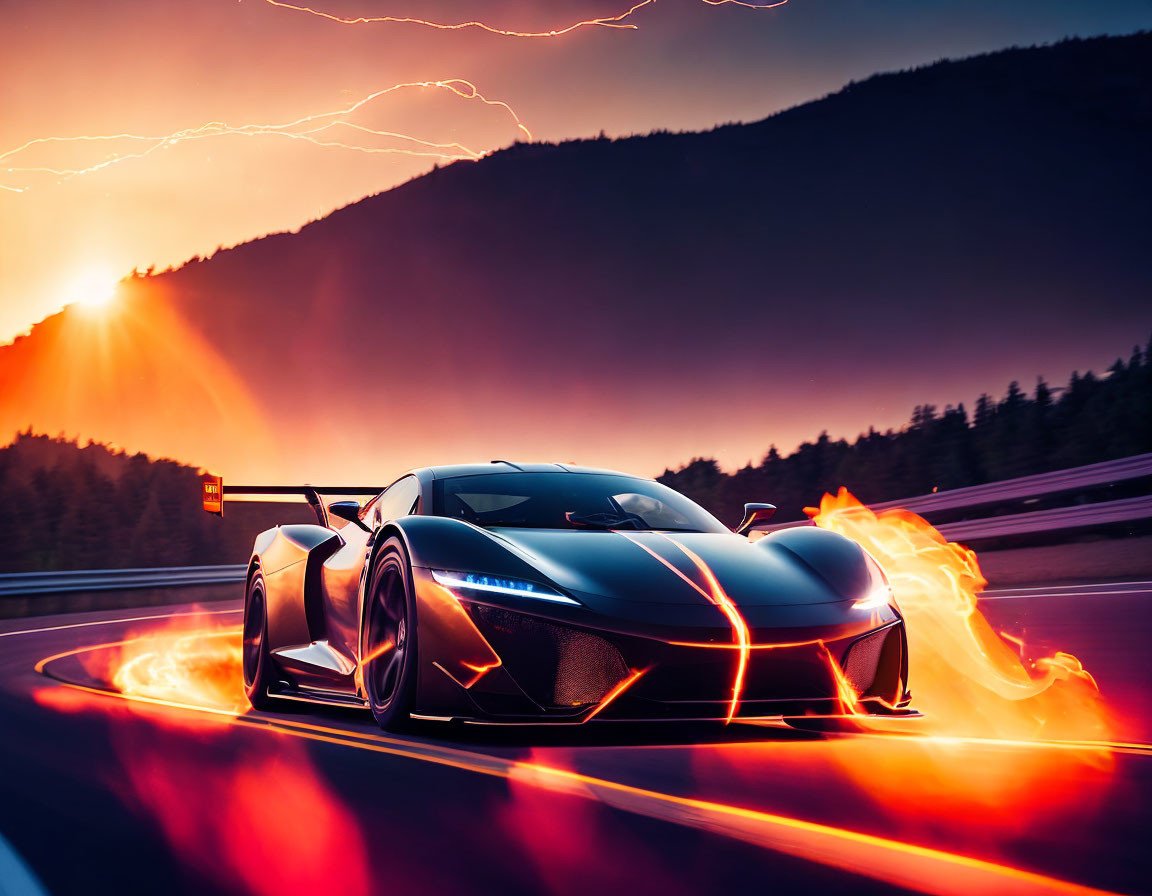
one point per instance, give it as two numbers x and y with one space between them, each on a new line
569 501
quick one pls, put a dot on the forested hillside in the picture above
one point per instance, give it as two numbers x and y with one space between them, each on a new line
63 506
637 302
1093 418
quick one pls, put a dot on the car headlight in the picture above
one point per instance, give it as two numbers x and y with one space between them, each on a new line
879 593
875 599
470 581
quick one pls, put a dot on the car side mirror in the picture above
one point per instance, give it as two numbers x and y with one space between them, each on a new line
755 515
348 510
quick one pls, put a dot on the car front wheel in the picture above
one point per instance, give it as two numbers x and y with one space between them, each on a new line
388 664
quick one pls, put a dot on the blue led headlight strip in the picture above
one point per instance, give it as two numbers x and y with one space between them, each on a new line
515 587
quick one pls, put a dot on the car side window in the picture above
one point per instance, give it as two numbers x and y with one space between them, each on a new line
398 500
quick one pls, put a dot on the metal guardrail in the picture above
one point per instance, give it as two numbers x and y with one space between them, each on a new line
1041 484
62 582
1023 488
1058 519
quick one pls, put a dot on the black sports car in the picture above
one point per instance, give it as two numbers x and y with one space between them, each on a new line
547 593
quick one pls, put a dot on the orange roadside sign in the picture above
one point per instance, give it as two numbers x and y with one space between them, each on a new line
213 493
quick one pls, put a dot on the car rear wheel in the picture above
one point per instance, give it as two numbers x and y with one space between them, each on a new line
388 667
256 661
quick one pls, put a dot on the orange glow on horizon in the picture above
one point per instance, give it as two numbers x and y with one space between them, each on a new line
92 288
70 122
88 359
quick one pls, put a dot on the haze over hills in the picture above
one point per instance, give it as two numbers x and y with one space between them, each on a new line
634 303
64 506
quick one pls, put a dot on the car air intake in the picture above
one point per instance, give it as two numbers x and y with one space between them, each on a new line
873 665
556 665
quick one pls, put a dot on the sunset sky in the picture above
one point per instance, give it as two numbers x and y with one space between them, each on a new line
157 67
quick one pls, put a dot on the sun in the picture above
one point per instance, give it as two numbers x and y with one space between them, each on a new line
92 287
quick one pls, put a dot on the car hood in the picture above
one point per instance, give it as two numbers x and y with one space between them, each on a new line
665 568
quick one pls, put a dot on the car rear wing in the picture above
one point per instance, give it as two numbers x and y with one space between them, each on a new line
214 491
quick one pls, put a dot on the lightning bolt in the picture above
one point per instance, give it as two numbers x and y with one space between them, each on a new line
334 119
613 21
308 128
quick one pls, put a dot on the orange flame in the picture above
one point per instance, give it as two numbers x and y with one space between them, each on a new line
964 676
202 667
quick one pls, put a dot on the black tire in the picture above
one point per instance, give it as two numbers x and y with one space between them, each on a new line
389 672
256 661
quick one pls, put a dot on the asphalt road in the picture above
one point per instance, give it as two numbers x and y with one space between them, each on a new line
103 794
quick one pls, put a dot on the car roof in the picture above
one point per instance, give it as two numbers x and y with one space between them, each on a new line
507 466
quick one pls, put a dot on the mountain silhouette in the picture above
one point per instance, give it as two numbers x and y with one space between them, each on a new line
918 236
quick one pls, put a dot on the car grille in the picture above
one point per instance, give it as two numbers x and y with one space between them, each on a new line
556 665
861 659
873 665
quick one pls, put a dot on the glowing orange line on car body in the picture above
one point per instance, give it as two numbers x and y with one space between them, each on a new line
719 597
774 646
465 621
739 626
649 550
1113 746
845 693
614 693
480 671
378 652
